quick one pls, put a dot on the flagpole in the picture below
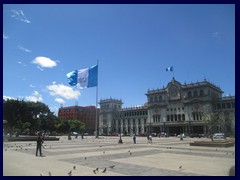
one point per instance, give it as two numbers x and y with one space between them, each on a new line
96 131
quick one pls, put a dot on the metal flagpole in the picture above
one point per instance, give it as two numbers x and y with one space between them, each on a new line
96 129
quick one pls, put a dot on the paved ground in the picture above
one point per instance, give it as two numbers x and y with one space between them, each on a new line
164 157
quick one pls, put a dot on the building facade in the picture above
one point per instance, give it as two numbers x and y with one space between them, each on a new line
177 108
85 114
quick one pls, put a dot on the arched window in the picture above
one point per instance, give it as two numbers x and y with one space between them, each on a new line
189 94
183 117
160 98
175 117
151 99
201 93
179 117
168 118
195 93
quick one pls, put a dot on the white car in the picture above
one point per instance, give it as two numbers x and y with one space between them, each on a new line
218 136
74 133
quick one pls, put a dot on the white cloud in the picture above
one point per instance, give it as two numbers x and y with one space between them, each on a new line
63 91
59 100
4 36
19 62
40 68
8 97
24 49
31 86
44 62
19 15
35 97
215 34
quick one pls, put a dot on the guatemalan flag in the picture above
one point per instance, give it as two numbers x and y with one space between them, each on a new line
170 68
84 78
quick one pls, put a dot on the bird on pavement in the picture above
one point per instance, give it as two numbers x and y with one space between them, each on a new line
85 158
74 167
130 153
112 166
40 174
105 169
49 173
96 169
70 173
180 167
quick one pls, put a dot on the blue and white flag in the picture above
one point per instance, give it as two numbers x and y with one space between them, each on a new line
84 78
170 68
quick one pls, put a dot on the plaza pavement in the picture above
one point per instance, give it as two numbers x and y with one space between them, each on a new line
164 157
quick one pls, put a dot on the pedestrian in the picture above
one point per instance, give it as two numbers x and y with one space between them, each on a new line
134 139
39 144
150 139
82 135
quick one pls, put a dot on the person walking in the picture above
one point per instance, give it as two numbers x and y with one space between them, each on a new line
39 144
150 138
134 139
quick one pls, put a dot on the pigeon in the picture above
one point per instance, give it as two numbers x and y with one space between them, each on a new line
100 146
105 169
112 166
180 167
130 153
49 173
70 173
94 171
26 149
74 167
85 158
41 174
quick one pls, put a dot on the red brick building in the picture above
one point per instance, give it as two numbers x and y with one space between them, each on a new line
85 114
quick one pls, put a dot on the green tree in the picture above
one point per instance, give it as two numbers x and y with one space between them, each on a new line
76 125
37 114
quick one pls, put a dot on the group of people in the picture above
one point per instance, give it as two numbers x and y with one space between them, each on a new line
149 138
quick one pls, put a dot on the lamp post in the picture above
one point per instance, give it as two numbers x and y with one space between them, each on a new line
150 124
119 122
119 117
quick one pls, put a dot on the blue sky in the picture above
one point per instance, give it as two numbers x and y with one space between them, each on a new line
133 43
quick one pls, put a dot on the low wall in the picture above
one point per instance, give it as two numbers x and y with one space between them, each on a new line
30 138
226 143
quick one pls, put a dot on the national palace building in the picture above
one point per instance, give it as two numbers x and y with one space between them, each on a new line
174 109
177 108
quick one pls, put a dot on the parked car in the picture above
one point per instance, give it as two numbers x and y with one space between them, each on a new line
195 135
218 136
74 133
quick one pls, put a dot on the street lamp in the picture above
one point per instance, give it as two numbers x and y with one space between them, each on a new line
119 122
